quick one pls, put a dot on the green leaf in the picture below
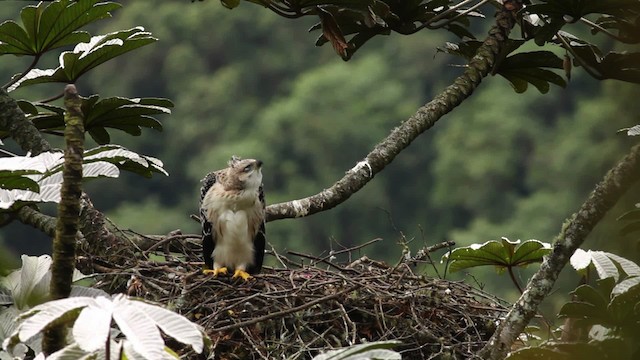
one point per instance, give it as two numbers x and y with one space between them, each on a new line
373 350
230 4
86 56
632 214
129 115
502 254
9 180
51 25
526 67
622 306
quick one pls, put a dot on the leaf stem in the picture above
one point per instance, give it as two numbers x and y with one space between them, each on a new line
19 77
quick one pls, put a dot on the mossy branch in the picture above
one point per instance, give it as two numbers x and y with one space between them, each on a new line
64 244
384 152
13 120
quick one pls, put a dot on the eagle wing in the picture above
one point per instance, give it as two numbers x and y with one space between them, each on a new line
259 239
208 235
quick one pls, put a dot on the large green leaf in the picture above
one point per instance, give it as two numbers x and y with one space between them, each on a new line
501 254
129 115
528 68
624 306
86 56
51 25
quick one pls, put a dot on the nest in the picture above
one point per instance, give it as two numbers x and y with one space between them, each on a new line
295 311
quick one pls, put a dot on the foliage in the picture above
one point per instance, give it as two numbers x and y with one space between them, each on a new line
503 254
86 56
364 19
378 350
139 322
606 314
37 179
51 25
361 20
128 115
606 264
28 287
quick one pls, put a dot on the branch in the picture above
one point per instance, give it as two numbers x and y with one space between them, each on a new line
64 244
573 233
13 120
400 137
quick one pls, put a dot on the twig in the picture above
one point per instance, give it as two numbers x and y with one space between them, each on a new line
285 312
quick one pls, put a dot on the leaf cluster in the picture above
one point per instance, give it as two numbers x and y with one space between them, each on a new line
349 24
606 315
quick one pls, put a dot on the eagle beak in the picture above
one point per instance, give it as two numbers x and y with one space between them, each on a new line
259 163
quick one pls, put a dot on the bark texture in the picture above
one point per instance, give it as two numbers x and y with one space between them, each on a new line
13 120
572 235
384 152
64 244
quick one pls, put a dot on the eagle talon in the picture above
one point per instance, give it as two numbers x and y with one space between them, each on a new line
215 272
242 274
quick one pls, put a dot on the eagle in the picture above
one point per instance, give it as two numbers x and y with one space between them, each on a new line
232 215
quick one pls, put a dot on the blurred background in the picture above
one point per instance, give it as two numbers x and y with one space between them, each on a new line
250 83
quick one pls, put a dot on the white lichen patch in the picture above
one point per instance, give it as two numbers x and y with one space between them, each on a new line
360 165
299 208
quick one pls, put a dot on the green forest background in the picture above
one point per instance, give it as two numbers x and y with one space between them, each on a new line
250 83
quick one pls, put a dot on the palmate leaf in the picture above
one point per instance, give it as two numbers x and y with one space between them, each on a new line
88 55
50 25
100 162
528 68
125 114
606 264
349 24
501 254
138 321
520 69
613 65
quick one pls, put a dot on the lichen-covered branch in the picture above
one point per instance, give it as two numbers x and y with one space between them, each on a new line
30 216
400 137
572 235
13 120
64 244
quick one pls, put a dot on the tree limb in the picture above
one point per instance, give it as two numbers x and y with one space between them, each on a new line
13 120
573 233
400 137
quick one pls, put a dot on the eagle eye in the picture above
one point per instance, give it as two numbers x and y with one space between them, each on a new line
247 168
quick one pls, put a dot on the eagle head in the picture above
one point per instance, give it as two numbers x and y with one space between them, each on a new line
246 173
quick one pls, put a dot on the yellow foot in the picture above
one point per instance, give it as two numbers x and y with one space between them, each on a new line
243 274
215 272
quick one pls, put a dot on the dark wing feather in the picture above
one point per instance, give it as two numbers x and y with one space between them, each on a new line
208 241
259 241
